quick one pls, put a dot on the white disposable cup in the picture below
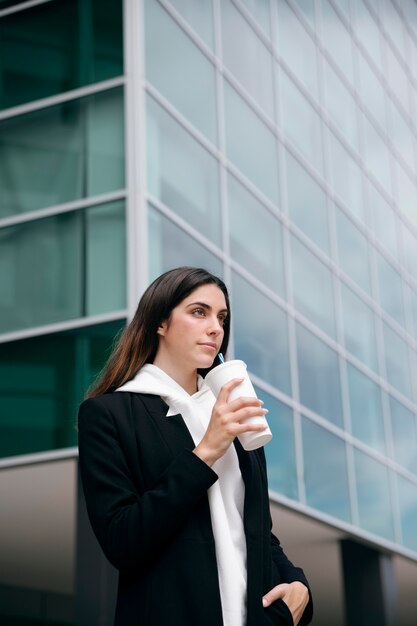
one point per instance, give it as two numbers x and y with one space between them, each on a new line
220 375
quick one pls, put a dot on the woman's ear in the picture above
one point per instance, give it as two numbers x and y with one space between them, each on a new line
162 329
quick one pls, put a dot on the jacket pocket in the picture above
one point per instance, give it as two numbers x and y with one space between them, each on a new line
279 614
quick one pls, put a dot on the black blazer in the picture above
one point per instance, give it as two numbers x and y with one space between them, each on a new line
146 495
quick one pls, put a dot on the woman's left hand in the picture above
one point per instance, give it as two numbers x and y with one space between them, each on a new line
295 595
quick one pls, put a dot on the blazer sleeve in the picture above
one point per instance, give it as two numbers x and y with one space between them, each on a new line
133 528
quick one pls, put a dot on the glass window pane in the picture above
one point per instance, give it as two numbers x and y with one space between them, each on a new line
359 328
262 345
390 289
397 362
368 32
56 369
374 501
70 270
247 57
413 305
181 173
397 79
372 92
200 17
337 39
62 153
280 452
261 12
301 123
341 106
170 247
366 414
250 145
377 156
352 251
329 496
296 47
179 70
57 46
255 237
406 195
384 221
346 176
409 249
313 287
307 205
407 492
404 432
402 135
318 376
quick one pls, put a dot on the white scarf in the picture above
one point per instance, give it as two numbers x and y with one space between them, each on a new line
226 496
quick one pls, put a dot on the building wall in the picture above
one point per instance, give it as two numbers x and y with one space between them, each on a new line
273 142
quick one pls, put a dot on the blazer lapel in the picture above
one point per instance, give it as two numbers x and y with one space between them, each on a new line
172 428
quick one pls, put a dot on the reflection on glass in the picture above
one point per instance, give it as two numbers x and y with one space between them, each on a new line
409 249
170 247
372 92
313 288
359 328
62 153
250 145
368 33
325 471
377 156
341 106
57 46
57 268
366 414
200 17
296 47
401 135
301 124
308 9
352 251
261 12
247 57
406 194
390 289
337 39
397 79
181 173
404 432
384 221
179 70
260 334
407 492
255 237
56 370
397 362
306 202
346 176
412 295
374 501
280 452
318 376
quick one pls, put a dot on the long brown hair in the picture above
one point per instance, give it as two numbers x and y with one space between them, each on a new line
138 343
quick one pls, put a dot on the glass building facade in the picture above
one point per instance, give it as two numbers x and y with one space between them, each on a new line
273 142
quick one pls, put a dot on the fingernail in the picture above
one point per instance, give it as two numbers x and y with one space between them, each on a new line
264 602
265 410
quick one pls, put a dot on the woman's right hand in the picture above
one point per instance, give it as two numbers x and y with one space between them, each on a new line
227 422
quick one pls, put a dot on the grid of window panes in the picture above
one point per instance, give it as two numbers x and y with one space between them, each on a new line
281 152
62 212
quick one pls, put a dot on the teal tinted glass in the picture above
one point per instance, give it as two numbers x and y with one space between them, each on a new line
341 106
260 334
250 145
372 93
390 289
300 123
255 237
199 16
404 432
247 57
359 328
325 471
366 415
368 33
413 306
407 492
179 70
377 155
353 251
384 221
306 203
318 376
169 247
261 12
313 287
402 135
409 249
296 47
374 499
181 173
397 363
337 39
406 194
42 382
280 452
59 268
62 153
346 176
57 46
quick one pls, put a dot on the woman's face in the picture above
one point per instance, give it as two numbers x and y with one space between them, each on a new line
193 334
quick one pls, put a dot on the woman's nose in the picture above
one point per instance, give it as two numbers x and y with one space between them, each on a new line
214 327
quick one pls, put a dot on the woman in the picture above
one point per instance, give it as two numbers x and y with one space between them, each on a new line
179 508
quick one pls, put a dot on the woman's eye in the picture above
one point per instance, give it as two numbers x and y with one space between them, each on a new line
198 312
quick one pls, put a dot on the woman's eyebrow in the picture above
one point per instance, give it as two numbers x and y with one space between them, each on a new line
204 305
